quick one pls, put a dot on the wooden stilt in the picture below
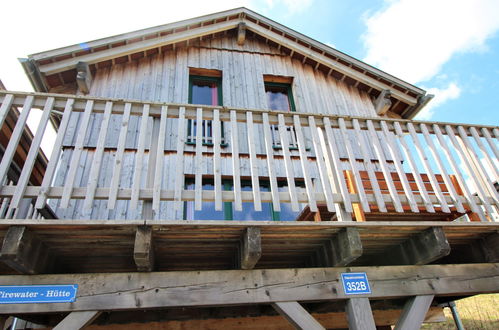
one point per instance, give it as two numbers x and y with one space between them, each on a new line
414 313
297 315
359 314
77 320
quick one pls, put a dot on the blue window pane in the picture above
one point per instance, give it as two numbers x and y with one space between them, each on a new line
208 208
249 213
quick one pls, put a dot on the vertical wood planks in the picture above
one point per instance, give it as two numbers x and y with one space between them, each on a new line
325 179
75 159
491 143
235 161
255 183
482 148
118 161
5 108
160 155
427 167
276 203
179 173
304 164
441 169
97 161
382 162
288 166
217 171
15 137
139 157
199 161
460 178
366 160
54 156
392 148
32 154
414 169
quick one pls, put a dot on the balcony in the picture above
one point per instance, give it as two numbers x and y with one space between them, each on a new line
117 159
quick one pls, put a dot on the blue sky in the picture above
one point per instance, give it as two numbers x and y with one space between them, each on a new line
450 48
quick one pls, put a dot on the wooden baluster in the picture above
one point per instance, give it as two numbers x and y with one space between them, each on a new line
486 155
276 203
139 158
288 166
238 205
160 156
217 170
304 164
255 183
199 161
491 143
179 173
5 108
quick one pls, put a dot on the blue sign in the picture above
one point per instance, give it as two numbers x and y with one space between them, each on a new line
30 294
355 283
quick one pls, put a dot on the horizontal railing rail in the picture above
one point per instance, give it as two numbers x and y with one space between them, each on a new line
113 158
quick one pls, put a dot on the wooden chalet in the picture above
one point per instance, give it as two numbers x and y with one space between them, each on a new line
225 171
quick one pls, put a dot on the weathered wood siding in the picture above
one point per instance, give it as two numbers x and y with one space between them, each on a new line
165 78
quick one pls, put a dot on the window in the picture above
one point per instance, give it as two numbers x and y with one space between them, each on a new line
248 212
206 90
280 98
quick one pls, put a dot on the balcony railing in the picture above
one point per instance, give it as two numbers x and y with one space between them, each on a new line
117 158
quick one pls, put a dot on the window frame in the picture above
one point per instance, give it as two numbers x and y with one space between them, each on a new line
289 90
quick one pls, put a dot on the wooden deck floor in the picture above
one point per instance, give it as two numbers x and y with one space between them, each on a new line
82 246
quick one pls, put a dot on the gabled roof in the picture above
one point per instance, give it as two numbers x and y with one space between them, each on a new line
57 67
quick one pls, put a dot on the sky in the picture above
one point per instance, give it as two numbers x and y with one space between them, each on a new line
450 48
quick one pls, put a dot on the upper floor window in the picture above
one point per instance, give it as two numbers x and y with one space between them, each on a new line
205 87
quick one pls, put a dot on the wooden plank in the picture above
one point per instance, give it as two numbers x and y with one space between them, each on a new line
388 139
24 252
179 173
427 167
255 183
241 33
97 160
297 315
491 143
108 291
217 170
359 314
251 247
276 203
338 172
321 163
75 159
160 156
414 313
199 160
384 168
54 156
34 150
77 320
143 250
305 164
441 168
9 152
83 77
238 206
139 158
5 108
485 154
118 161
288 166
470 170
366 160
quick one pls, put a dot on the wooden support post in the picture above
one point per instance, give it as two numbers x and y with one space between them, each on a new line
251 247
143 251
24 252
414 313
297 315
343 248
241 34
83 77
77 320
383 102
490 246
359 314
420 249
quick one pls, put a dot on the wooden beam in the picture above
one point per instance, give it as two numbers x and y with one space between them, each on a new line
251 247
297 315
241 34
490 246
423 248
383 102
120 291
343 248
359 314
143 250
414 313
24 252
77 320
83 77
